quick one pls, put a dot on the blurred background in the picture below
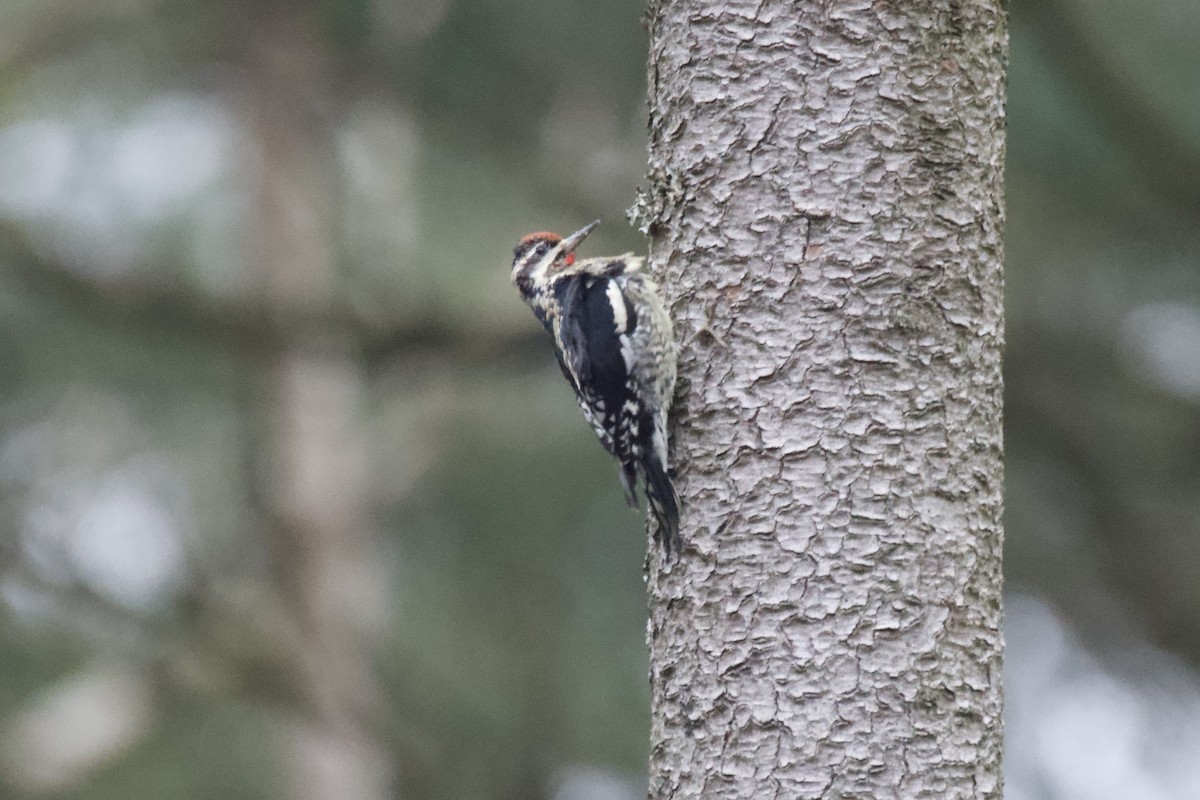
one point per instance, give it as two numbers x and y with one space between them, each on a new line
294 502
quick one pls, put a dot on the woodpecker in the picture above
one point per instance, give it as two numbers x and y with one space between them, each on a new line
614 343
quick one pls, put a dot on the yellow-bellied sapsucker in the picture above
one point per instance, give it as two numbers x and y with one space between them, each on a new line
613 340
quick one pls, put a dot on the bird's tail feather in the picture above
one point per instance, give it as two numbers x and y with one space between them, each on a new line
664 503
629 483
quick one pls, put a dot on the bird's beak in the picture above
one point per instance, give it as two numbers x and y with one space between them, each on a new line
572 241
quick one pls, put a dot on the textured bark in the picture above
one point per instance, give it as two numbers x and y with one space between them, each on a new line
826 211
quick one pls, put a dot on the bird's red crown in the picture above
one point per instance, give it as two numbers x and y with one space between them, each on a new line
529 237
550 237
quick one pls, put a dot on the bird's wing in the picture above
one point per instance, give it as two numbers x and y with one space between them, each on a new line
595 317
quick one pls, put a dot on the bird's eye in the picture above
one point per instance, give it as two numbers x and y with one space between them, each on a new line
541 249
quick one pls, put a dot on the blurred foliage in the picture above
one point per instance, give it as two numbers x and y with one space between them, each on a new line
138 339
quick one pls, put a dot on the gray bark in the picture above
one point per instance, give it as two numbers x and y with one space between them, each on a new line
825 214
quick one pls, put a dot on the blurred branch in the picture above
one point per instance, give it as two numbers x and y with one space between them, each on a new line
132 302
45 42
170 34
326 572
249 329
233 641
1170 161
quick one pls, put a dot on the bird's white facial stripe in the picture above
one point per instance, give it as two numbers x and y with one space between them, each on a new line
617 301
535 267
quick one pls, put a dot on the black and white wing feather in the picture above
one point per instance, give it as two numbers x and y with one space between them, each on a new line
599 332
593 319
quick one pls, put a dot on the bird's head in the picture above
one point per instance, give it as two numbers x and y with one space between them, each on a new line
539 255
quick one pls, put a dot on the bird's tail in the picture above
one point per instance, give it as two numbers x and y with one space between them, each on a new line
664 503
629 482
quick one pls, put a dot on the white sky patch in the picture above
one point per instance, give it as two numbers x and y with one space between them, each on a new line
106 182
588 782
36 159
174 147
55 738
1161 343
127 546
1075 730
97 505
145 166
114 532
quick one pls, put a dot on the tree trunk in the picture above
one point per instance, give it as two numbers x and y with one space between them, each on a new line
326 563
826 208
